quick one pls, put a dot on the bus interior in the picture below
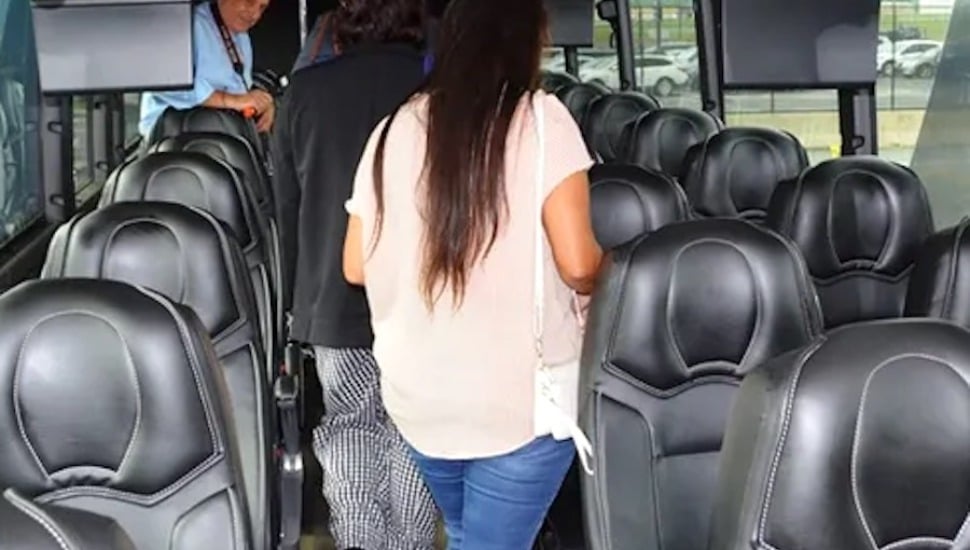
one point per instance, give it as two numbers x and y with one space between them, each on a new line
778 350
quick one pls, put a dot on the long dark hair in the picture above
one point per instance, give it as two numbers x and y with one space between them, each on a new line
486 59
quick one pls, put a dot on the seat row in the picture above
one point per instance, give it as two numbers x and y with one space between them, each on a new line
114 402
188 218
858 222
708 334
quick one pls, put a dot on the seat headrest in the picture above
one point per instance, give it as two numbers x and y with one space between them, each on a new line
700 298
608 115
938 285
553 80
855 217
627 201
235 151
660 139
860 440
31 526
192 179
739 169
105 389
173 122
578 97
185 254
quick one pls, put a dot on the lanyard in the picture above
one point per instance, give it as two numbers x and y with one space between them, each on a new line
230 45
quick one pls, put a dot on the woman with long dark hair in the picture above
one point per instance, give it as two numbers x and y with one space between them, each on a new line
470 230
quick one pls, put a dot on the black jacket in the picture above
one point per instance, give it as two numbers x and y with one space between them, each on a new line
322 126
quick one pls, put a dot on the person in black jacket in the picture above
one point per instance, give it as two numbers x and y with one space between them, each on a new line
377 498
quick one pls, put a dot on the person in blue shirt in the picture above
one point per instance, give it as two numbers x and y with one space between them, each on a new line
222 55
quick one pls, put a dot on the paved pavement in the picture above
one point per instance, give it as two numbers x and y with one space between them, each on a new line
899 93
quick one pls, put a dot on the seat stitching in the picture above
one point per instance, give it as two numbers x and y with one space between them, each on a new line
40 517
782 439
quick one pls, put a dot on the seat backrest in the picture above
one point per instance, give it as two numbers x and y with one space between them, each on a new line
627 201
236 152
25 525
553 80
860 440
189 257
578 97
173 122
112 401
738 169
678 316
859 223
660 139
195 179
938 286
192 179
606 118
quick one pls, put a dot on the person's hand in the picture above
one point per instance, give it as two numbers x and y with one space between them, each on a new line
256 101
265 121
263 100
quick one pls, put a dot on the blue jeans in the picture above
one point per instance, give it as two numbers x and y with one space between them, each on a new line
497 503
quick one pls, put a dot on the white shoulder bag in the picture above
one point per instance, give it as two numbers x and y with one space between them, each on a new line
556 386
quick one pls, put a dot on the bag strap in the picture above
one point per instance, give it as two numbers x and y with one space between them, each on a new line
539 287
227 42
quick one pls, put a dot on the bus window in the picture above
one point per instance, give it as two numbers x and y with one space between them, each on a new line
82 157
910 42
20 202
132 102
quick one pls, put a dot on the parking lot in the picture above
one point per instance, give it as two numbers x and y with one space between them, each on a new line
892 93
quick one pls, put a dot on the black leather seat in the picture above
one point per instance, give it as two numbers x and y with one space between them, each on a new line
578 97
198 180
204 119
628 201
112 401
188 256
938 285
606 118
861 440
677 318
553 80
233 150
25 525
737 170
859 222
660 139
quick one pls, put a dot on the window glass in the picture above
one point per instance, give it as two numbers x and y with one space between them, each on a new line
910 46
20 198
82 148
132 104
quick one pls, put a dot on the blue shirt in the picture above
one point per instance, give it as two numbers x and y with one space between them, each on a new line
213 71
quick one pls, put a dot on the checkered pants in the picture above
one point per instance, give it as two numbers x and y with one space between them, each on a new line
377 498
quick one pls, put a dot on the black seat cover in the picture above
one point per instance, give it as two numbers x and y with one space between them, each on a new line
173 122
859 222
189 257
738 169
28 526
112 401
235 151
660 139
939 286
607 116
578 97
553 80
196 179
627 201
677 317
861 440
